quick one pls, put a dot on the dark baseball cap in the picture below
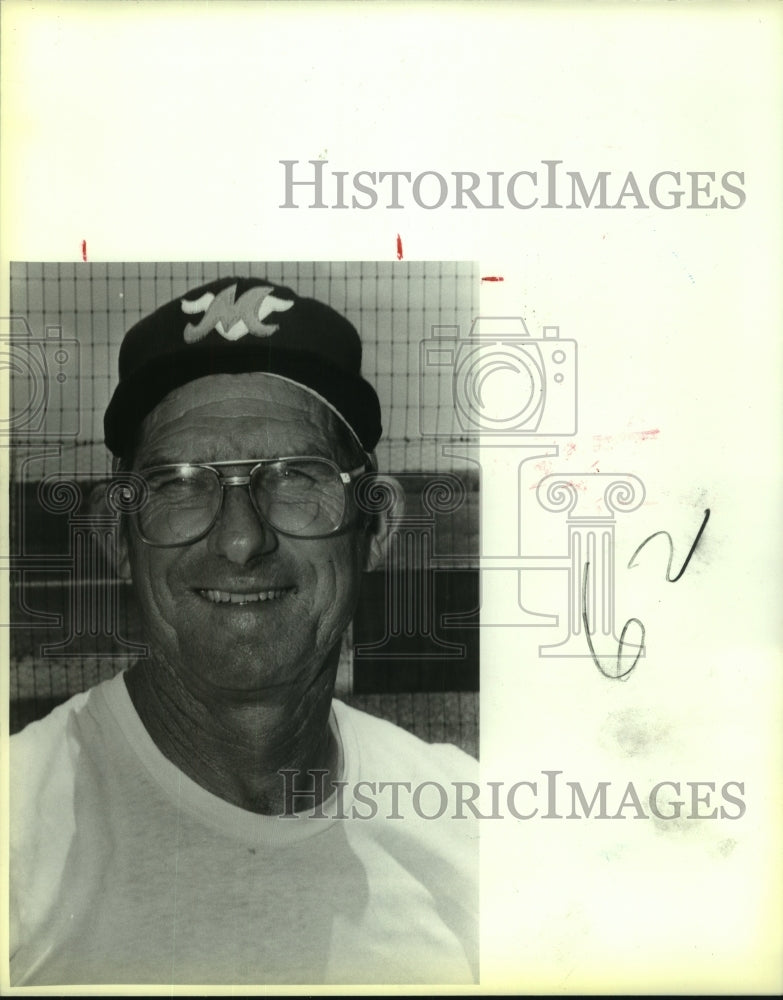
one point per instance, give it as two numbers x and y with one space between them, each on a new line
235 325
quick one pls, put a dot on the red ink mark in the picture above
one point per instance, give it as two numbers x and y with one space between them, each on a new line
602 440
545 468
570 448
399 247
492 277
84 250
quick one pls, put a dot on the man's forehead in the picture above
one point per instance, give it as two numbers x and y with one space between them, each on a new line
252 389
233 410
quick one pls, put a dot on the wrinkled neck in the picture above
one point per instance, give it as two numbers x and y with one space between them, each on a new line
236 748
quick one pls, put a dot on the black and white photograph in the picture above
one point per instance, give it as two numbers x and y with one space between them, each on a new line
390 440
248 742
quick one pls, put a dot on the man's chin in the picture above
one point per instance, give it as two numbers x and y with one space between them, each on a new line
241 671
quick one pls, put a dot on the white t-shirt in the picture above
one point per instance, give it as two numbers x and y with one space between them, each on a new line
124 870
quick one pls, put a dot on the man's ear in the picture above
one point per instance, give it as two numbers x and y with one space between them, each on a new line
387 499
122 556
119 557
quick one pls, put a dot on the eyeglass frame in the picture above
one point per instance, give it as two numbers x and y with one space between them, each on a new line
346 477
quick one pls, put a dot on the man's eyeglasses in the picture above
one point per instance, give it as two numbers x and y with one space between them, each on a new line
306 497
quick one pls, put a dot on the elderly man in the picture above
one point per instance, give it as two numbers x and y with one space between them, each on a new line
212 815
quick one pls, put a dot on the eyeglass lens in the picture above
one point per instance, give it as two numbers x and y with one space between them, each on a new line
304 498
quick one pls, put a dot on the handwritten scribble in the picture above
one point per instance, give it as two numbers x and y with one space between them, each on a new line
619 674
669 577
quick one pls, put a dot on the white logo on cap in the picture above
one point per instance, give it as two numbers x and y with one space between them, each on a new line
234 318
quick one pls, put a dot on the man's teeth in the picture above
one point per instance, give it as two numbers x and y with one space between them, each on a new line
226 597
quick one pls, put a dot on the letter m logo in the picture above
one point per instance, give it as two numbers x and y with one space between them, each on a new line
231 317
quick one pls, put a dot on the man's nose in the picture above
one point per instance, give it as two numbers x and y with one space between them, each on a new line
239 534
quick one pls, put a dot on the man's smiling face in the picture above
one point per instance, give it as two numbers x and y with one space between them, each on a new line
244 610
